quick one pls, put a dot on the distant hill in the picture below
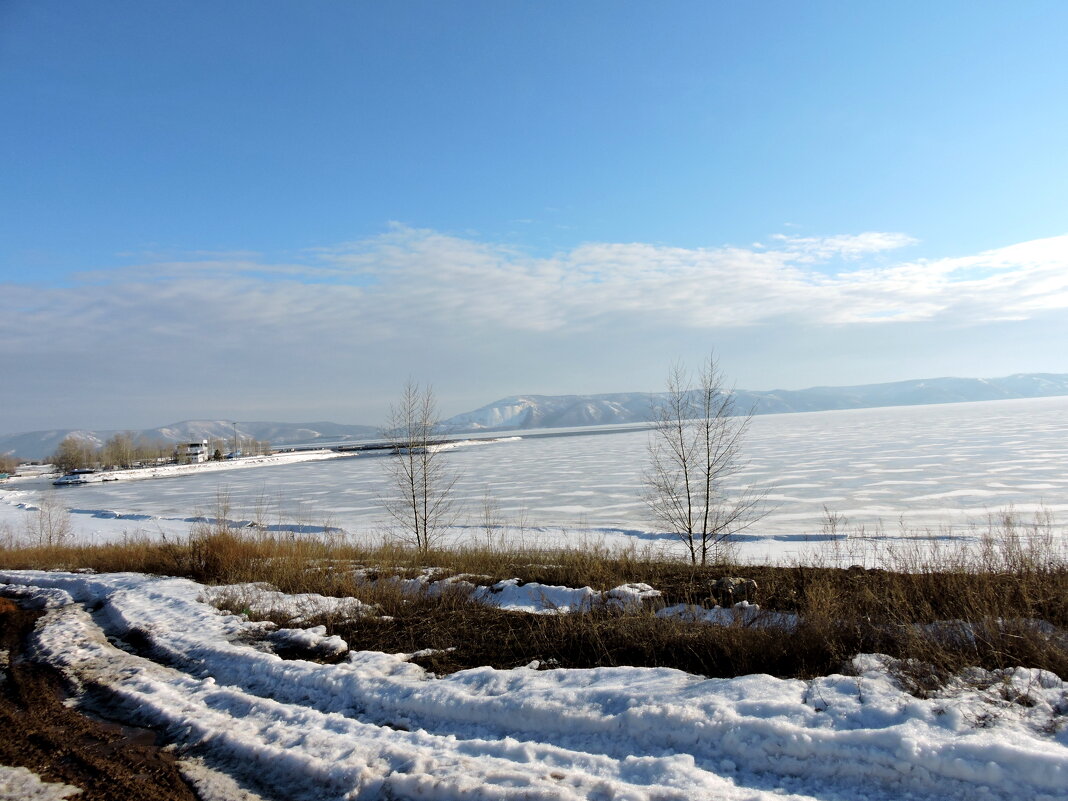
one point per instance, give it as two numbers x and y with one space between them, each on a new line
41 444
521 412
561 411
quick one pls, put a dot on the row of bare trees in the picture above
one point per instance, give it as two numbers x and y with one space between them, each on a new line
121 450
690 482
126 449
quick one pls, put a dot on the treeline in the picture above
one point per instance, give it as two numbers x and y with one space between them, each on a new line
9 464
125 450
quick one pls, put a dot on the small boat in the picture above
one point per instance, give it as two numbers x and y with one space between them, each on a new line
72 478
69 480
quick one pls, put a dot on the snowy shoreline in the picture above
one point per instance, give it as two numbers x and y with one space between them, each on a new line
20 497
194 468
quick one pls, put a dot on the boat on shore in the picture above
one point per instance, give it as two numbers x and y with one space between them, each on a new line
73 478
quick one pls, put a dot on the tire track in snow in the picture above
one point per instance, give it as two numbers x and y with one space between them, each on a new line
300 752
524 734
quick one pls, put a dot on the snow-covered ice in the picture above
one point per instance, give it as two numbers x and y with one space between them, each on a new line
903 475
377 726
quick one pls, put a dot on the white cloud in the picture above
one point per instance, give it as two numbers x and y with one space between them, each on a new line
412 300
844 246
411 280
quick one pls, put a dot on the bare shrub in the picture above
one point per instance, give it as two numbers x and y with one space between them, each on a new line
8 538
49 526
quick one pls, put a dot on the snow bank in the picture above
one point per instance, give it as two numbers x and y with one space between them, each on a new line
377 726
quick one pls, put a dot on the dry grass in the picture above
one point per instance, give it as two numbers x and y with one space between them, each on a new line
938 611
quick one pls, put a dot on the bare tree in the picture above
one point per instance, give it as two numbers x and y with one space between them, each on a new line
420 482
118 451
151 451
694 451
74 453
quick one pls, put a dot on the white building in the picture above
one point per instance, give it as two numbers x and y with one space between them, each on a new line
197 451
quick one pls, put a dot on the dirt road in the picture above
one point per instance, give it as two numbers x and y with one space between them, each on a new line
109 762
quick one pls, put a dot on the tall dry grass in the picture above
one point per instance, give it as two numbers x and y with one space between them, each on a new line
936 608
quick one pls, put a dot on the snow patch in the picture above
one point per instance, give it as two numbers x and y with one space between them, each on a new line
262 600
314 640
21 784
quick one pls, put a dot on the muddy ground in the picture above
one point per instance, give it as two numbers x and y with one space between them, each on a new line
37 731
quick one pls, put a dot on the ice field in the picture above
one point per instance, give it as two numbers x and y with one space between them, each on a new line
891 473
251 726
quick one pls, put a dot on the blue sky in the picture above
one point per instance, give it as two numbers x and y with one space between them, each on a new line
282 210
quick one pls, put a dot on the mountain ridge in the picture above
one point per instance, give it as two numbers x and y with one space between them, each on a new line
521 412
530 411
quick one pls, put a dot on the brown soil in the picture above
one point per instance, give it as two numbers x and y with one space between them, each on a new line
109 762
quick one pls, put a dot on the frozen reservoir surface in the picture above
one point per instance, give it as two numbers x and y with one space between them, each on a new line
891 473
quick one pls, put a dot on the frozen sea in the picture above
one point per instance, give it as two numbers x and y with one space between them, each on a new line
889 473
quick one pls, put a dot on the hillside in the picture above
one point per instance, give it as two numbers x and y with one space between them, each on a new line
520 412
560 411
